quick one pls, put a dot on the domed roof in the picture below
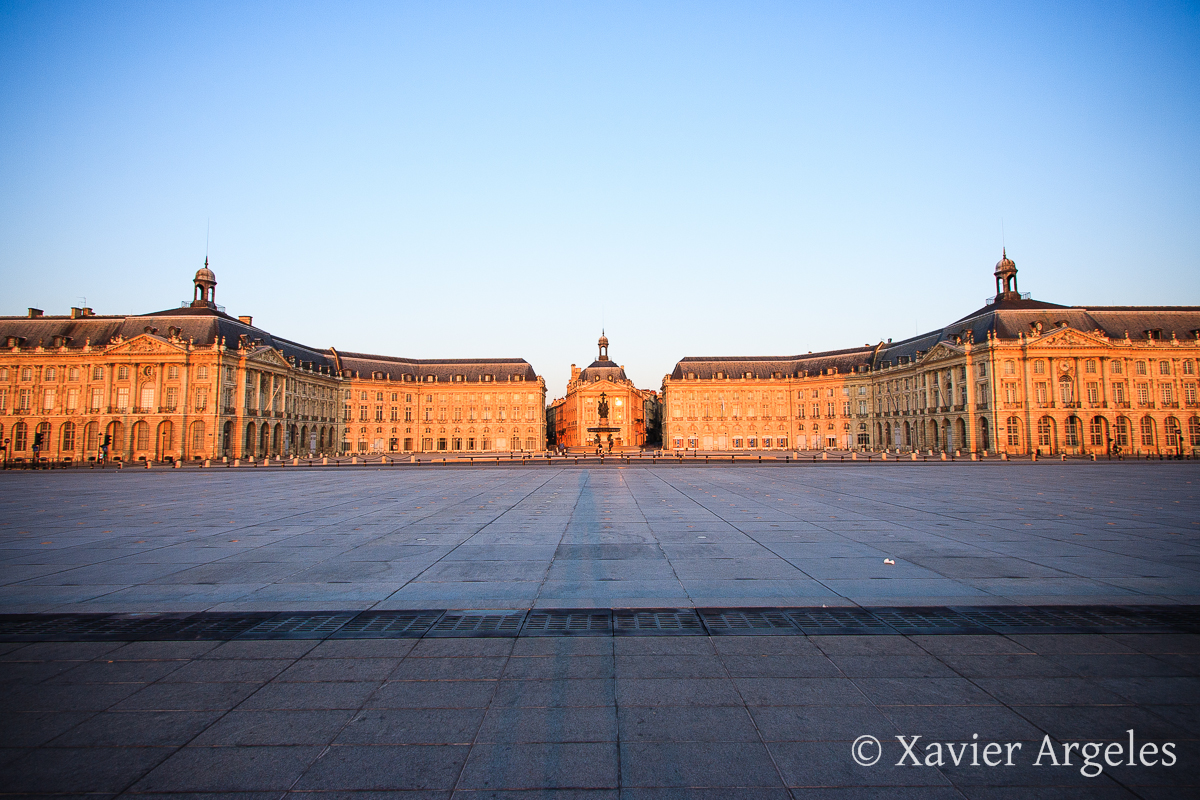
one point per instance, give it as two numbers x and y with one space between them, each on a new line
603 342
205 275
1005 264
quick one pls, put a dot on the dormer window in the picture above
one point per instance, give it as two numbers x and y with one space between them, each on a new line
720 376
1154 334
430 378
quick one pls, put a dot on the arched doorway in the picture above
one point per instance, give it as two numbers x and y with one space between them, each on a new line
264 443
985 435
116 440
165 440
227 439
251 439
198 447
1173 435
1047 440
1098 435
960 434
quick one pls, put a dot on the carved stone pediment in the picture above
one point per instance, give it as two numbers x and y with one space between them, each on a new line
940 352
267 357
145 343
1069 337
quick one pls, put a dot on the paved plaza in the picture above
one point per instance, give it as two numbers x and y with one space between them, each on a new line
549 537
690 715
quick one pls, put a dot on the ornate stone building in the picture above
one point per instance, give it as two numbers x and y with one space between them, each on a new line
457 406
602 407
195 383
1017 376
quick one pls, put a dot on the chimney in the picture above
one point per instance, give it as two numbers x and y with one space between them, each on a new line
35 312
246 320
76 313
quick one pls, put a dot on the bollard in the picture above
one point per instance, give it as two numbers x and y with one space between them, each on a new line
883 456
147 463
353 460
208 462
296 461
1033 457
237 462
325 461
914 456
1004 456
854 456
974 456
1062 457
1093 456
178 464
825 456
943 455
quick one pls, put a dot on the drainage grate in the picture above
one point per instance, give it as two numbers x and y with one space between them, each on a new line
478 623
1084 619
201 627
910 621
659 621
573 622
753 621
597 622
845 621
388 625
312 625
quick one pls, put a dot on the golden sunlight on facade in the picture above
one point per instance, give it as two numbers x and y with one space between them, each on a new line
1017 376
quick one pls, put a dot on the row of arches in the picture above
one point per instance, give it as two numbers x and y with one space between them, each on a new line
946 435
144 440
1098 435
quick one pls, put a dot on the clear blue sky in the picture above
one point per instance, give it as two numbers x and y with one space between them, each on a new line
501 179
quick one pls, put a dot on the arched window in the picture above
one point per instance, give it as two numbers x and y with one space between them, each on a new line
1071 432
1045 429
68 437
1014 432
197 437
1096 431
20 437
1194 431
44 430
1147 432
91 441
141 435
1172 432
248 445
1123 432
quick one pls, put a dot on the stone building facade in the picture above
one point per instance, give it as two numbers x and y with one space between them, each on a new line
1016 376
601 386
400 405
195 383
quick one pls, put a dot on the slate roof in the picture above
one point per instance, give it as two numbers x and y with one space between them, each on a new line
204 326
1004 319
599 370
473 370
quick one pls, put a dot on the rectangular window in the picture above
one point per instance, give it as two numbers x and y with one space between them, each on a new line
1093 392
172 398
72 399
147 398
97 373
362 413
1119 392
1143 394
1141 368
1189 394
173 372
1164 368
379 413
1042 393
1168 393
1117 367
48 400
123 399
